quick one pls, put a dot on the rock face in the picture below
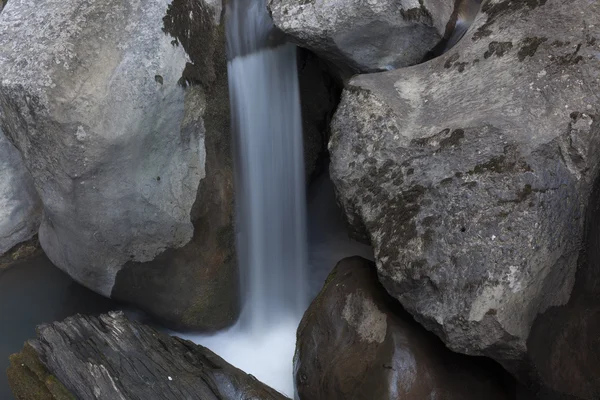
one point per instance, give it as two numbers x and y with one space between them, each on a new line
356 342
123 123
471 174
359 36
20 206
110 357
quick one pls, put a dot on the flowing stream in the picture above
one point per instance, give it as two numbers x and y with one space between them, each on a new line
269 166
271 202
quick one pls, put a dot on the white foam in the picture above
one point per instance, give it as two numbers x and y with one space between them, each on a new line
268 356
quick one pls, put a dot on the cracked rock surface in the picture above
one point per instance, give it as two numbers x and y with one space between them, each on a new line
471 174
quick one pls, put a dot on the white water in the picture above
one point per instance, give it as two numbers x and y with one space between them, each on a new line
271 203
269 356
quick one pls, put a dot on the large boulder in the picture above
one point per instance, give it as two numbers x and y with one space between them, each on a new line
360 36
110 357
471 174
120 110
356 342
20 206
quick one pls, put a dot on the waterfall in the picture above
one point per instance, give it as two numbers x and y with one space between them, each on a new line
269 166
270 199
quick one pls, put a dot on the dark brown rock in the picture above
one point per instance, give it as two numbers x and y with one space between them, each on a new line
356 342
110 357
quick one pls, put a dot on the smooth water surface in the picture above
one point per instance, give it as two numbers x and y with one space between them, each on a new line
33 292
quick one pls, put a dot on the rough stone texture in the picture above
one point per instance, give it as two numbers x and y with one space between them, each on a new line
356 342
360 36
110 357
471 174
123 122
196 286
20 206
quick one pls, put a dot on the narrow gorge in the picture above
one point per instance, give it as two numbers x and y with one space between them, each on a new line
307 199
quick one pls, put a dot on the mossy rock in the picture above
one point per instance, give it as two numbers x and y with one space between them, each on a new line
29 379
20 252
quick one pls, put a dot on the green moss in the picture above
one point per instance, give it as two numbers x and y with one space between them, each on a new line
21 251
29 379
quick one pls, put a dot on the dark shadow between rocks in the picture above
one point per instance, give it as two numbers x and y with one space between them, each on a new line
564 343
320 93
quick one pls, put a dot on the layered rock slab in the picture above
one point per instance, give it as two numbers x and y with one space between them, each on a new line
109 357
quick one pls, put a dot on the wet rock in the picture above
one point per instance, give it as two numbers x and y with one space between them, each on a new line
355 341
471 174
20 206
21 252
359 36
123 121
110 357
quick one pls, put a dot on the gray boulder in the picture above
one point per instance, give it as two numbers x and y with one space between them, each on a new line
360 36
123 123
356 342
471 174
20 206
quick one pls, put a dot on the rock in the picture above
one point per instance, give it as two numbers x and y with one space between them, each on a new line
20 206
123 122
359 36
355 341
22 252
110 357
196 286
471 174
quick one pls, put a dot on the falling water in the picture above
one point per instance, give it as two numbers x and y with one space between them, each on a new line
270 193
271 201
